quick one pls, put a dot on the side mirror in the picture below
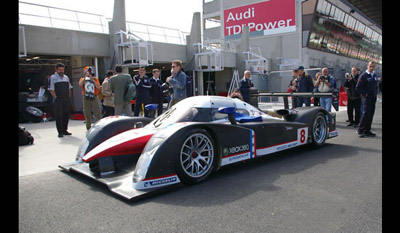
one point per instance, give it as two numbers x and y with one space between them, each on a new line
231 113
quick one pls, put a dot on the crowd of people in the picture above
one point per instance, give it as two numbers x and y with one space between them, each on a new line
362 90
115 93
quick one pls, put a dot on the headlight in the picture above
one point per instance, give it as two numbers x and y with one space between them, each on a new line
145 159
82 149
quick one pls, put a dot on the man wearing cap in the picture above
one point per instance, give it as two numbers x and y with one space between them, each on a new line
90 88
304 84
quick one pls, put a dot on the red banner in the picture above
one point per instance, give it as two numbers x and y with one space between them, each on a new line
264 18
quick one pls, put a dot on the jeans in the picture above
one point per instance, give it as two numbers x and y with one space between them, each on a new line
326 103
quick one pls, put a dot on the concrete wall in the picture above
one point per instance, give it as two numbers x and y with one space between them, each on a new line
54 41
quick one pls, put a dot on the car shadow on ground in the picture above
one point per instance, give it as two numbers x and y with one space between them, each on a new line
238 180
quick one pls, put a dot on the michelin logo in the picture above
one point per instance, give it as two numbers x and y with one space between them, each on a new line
160 181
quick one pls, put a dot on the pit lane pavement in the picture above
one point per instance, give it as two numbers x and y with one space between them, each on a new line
337 188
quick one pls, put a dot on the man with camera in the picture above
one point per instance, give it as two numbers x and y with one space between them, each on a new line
325 83
90 88
353 98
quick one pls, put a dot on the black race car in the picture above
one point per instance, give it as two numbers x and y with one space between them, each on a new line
137 155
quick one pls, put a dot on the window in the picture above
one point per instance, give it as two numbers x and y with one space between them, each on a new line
336 31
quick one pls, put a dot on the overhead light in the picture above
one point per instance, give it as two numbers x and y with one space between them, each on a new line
35 57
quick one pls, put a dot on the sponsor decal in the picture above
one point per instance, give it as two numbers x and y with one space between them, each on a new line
333 133
263 18
237 149
158 182
239 153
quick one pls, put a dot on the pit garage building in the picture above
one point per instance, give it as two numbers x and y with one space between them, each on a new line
268 37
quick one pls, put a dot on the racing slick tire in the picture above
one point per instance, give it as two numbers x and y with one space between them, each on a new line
33 114
197 156
319 131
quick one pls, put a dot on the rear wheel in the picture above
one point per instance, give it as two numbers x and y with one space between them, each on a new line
196 156
319 130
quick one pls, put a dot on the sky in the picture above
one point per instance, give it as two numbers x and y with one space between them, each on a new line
175 14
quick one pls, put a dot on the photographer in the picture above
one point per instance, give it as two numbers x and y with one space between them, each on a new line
325 83
353 98
90 88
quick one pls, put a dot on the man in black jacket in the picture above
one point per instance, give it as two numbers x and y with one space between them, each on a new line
367 87
143 85
156 91
245 85
353 98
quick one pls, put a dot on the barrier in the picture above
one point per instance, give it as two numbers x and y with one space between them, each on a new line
285 96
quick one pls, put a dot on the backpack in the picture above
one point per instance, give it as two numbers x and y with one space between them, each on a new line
25 137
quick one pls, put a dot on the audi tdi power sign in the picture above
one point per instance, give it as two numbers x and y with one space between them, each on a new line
263 18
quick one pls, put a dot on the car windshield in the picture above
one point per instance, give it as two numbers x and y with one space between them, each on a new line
175 115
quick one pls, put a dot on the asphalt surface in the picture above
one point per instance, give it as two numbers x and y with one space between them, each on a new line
337 188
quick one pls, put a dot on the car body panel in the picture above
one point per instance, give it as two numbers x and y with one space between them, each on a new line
139 161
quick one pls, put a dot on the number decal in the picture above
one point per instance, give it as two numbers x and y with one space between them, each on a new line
302 135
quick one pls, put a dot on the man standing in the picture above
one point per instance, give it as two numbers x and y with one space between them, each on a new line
245 85
60 89
325 83
305 84
367 87
143 85
178 82
108 101
90 88
353 98
119 85
156 91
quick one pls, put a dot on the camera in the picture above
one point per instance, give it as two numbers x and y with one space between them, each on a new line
90 71
322 78
167 89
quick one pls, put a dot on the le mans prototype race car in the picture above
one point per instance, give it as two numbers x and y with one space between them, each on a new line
134 156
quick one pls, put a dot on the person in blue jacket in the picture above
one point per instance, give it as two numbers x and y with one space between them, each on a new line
178 82
143 85
304 84
367 87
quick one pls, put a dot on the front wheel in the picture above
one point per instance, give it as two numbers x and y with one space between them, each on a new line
319 130
196 156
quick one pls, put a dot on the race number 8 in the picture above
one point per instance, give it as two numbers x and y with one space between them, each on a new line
302 135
